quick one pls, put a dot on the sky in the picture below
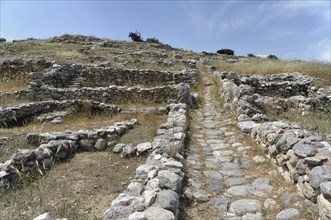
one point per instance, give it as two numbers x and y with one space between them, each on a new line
288 29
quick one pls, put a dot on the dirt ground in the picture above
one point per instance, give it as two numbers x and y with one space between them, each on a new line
82 187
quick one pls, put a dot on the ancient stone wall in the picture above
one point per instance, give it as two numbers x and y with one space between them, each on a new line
156 188
16 114
102 77
11 69
62 146
300 156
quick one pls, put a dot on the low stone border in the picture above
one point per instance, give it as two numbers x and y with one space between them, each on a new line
56 147
301 157
154 192
17 113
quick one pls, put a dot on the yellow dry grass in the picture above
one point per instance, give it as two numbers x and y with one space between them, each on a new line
265 66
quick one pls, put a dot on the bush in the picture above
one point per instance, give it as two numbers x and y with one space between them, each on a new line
2 39
250 55
271 56
225 51
136 37
153 40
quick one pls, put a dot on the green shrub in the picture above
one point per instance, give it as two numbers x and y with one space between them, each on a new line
225 51
271 56
136 36
2 39
153 40
250 55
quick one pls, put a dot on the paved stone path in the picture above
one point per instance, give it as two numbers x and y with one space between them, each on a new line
228 178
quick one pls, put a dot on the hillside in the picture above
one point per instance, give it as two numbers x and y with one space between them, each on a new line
94 128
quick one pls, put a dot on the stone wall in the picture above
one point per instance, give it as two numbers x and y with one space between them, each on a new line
300 156
102 77
154 192
11 69
17 114
59 146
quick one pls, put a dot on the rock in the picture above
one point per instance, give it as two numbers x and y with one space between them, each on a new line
262 184
235 181
270 204
173 164
116 212
213 174
168 199
128 150
288 214
170 180
316 160
304 150
149 197
326 190
243 206
118 148
301 167
100 144
86 145
215 185
324 207
135 189
144 147
250 216
221 203
183 93
259 159
244 191
154 213
246 126
287 198
137 216
319 175
44 216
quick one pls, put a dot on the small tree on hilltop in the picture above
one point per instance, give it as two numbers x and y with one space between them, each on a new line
136 36
2 39
153 40
226 51
271 56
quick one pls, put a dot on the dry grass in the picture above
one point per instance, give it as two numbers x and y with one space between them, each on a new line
268 66
146 129
10 85
318 122
81 188
67 54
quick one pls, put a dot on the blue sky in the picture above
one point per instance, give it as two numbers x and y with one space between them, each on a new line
288 29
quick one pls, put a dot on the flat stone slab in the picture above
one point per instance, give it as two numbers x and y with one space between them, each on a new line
288 214
215 185
221 203
246 126
236 181
244 191
213 174
262 184
243 206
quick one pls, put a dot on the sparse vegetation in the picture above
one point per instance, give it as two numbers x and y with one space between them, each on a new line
136 36
226 52
271 56
270 66
153 40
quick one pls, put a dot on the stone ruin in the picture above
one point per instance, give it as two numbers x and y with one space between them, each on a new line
302 157
55 88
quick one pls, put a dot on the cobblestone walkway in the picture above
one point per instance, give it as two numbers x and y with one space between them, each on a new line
229 178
